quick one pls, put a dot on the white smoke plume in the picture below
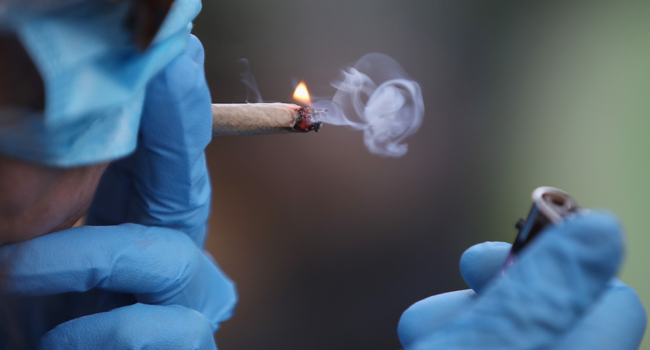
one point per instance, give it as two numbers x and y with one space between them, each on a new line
375 96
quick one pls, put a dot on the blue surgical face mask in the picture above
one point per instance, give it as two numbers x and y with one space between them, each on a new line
94 78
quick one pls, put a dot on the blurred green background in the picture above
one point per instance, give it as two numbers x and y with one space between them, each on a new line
329 244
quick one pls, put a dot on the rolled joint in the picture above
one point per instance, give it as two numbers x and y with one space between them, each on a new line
265 118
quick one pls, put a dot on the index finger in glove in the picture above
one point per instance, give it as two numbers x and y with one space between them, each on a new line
432 315
481 263
160 266
166 182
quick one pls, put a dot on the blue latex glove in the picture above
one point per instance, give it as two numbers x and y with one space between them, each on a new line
561 294
140 279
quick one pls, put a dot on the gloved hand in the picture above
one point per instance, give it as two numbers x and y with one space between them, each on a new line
139 279
561 294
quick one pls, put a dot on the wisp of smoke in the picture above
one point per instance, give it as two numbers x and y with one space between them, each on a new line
247 77
376 96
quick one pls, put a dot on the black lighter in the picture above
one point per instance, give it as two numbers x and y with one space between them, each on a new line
551 206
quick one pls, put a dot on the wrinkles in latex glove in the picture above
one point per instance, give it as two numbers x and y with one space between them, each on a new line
561 294
138 277
165 183
94 294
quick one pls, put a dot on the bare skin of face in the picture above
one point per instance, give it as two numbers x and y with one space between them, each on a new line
36 199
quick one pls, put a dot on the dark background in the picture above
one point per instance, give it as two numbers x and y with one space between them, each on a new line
329 244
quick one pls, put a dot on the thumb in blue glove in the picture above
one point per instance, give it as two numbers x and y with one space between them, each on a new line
104 287
562 294
139 278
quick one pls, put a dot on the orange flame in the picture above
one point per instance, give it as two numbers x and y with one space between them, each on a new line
301 94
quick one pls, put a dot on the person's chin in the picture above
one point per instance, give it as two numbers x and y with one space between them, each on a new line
16 231
70 221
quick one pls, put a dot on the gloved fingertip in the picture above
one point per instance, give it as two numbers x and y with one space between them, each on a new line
630 303
637 313
177 105
179 79
227 293
195 50
596 237
482 262
638 316
616 283
602 223
433 313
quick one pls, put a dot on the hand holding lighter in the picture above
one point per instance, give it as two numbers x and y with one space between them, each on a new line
551 206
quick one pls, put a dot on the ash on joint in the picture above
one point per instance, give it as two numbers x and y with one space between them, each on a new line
309 119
